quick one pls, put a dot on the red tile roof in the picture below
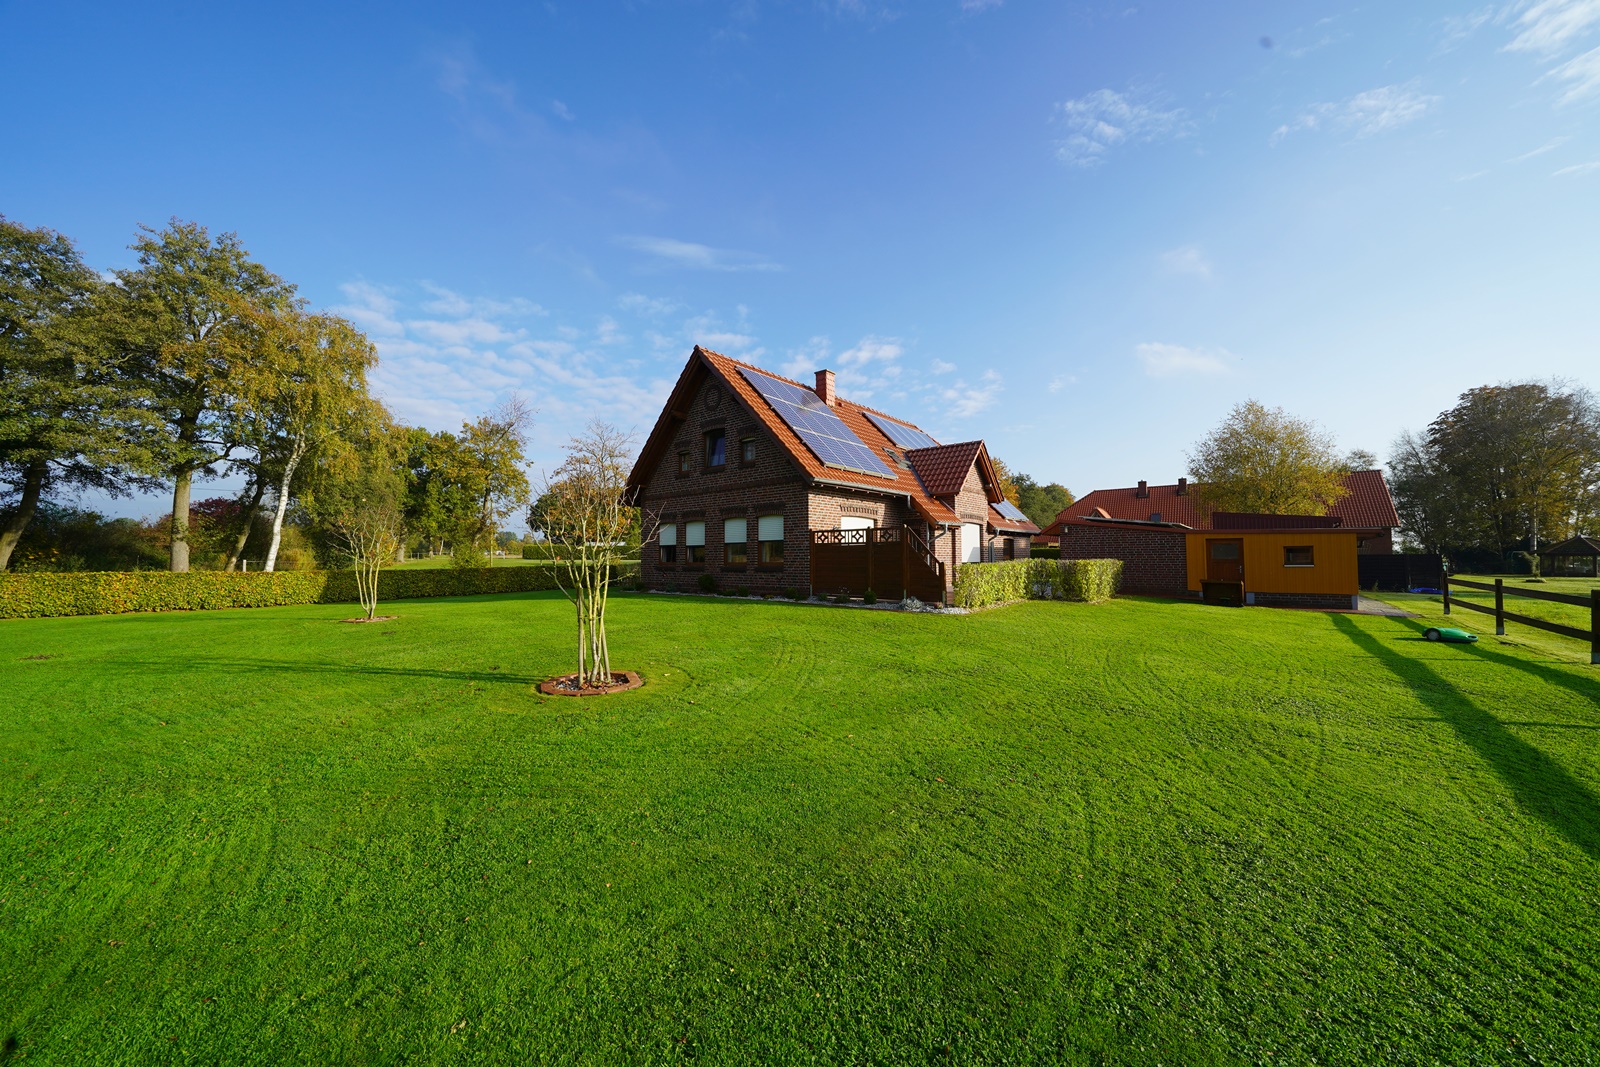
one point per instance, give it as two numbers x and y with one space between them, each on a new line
903 480
1366 505
943 470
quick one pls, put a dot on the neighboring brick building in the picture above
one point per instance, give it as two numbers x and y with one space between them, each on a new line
1366 506
1153 555
743 464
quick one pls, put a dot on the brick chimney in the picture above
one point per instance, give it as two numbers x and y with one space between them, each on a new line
825 386
1183 487
1144 489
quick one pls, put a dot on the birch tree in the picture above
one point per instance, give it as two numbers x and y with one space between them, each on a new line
587 519
308 390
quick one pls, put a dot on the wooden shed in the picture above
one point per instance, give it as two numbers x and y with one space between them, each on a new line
1276 560
1576 557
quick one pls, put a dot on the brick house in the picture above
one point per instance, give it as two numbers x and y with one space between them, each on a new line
1366 506
746 473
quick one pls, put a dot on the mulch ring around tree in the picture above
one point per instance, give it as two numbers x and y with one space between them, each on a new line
567 685
375 618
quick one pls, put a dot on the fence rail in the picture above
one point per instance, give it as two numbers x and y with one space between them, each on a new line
1501 615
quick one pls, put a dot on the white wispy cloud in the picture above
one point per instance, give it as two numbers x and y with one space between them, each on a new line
1455 29
964 401
1061 381
1365 114
1168 361
1549 27
1105 118
649 306
697 256
866 369
1188 259
1578 168
1548 146
562 111
980 5
1581 74
939 366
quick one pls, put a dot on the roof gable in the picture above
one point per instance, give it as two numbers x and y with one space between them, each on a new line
1366 505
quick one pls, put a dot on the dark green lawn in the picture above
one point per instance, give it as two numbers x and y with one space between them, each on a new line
1140 832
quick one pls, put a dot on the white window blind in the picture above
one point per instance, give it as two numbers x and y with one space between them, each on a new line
694 533
770 527
733 531
669 534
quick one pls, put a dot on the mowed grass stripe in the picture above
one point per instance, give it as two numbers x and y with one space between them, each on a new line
1164 833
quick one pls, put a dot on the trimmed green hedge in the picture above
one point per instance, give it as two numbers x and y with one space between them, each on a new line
979 585
1044 552
32 596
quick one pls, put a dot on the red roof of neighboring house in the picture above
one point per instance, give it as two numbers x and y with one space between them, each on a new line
1367 504
904 479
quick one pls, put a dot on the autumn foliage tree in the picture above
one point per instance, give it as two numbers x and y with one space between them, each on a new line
1265 460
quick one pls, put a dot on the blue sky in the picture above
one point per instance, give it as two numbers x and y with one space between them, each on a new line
1081 231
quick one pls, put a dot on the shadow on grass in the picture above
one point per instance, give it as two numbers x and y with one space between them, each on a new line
1540 785
255 666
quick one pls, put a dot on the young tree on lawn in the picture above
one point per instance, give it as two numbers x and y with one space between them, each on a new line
358 500
187 314
1265 460
309 390
587 521
68 415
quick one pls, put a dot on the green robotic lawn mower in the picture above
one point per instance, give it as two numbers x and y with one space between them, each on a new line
1449 634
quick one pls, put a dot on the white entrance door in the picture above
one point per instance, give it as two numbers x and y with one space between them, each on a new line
971 543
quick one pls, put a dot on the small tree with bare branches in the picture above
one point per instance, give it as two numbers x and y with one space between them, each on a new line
587 520
358 501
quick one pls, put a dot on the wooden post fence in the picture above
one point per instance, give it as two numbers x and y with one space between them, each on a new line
1501 615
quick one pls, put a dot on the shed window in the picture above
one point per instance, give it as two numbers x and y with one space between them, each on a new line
716 448
694 542
668 538
747 450
1297 556
769 530
734 544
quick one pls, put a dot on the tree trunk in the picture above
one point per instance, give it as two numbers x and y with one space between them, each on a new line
249 522
32 488
180 522
283 504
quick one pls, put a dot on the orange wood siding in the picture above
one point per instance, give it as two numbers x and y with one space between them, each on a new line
1334 553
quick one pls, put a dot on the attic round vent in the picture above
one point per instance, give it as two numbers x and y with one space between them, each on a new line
713 397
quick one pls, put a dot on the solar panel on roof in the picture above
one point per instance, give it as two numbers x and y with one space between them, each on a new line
1011 511
815 423
901 434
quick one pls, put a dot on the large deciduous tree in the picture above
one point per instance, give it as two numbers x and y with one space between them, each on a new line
188 318
67 411
1508 465
1265 460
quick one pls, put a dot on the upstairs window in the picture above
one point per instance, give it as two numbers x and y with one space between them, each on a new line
747 450
683 463
769 529
694 542
716 448
668 538
1298 556
734 545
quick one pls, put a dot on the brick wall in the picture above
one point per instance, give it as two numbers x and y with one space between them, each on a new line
1382 545
1153 560
770 484
1320 601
